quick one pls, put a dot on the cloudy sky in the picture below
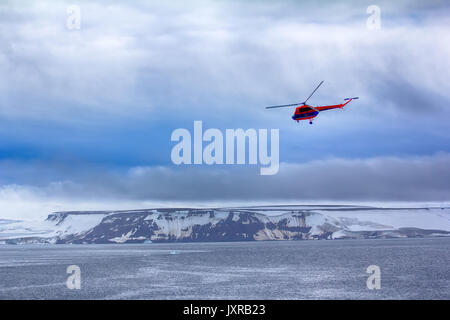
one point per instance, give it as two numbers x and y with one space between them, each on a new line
86 114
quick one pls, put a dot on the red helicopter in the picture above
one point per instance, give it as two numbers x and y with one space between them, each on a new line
307 112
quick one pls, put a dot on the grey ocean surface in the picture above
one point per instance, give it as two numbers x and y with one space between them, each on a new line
410 269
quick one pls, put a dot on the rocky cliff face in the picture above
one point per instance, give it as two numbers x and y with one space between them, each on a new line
197 225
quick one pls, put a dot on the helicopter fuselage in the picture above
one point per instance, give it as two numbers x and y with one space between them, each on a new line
307 112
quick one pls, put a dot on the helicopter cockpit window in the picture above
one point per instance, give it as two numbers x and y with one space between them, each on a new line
304 109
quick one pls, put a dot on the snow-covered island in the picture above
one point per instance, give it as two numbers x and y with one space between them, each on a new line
290 222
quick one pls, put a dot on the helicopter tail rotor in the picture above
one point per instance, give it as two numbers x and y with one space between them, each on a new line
348 100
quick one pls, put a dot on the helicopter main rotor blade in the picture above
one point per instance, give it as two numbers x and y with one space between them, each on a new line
296 104
304 102
284 105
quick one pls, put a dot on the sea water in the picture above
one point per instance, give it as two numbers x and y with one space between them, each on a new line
323 269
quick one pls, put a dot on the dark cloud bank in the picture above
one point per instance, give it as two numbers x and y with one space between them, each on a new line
378 179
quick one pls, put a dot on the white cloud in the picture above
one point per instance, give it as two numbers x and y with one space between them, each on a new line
137 58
